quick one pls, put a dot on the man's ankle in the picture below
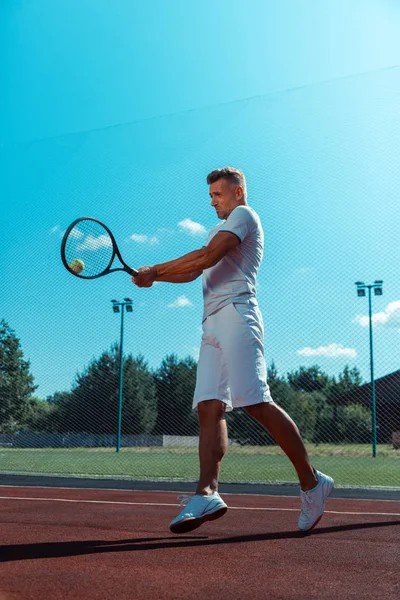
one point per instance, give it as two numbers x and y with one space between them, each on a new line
205 491
310 483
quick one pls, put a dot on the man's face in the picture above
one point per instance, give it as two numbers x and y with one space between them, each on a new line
224 197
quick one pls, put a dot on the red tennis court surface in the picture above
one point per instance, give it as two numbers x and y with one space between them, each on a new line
112 544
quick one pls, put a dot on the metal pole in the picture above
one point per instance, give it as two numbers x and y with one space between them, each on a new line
373 397
121 365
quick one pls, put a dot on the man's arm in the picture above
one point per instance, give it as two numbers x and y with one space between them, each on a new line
180 278
194 262
198 260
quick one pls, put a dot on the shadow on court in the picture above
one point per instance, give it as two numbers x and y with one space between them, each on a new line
76 548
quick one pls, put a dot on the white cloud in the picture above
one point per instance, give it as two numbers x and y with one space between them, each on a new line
192 227
180 302
57 230
390 317
331 351
95 243
140 239
76 233
144 239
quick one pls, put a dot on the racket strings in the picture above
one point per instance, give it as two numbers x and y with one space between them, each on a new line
89 242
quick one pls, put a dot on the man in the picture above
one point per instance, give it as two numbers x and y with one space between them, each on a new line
231 370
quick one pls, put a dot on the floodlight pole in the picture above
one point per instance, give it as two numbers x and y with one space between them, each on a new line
121 370
377 286
124 306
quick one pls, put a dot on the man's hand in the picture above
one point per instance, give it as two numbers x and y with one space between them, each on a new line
145 277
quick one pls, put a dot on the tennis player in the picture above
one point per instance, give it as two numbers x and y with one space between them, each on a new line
231 371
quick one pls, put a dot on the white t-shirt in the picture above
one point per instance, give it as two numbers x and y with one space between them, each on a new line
233 278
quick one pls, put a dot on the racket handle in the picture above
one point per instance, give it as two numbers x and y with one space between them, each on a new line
132 272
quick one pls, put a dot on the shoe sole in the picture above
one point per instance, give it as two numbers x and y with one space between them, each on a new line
189 524
312 526
320 517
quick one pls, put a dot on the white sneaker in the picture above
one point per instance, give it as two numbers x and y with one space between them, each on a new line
198 509
313 502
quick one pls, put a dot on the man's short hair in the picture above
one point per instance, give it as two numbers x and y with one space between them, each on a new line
232 175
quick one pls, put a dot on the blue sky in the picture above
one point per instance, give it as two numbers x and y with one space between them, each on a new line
120 112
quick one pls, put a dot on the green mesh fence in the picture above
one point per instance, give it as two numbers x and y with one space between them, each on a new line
322 172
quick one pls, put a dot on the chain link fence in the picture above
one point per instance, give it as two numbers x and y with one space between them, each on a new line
312 156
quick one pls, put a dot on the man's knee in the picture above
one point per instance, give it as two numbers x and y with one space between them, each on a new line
254 410
211 410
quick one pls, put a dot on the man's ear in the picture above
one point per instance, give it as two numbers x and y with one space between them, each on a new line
239 192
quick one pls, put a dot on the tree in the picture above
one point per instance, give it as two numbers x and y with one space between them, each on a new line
176 381
349 380
310 379
326 430
92 406
16 382
305 412
139 409
356 424
56 413
40 415
283 394
244 429
272 373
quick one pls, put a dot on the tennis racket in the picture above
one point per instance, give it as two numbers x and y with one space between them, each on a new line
88 250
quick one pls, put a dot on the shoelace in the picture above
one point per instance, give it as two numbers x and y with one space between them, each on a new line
184 499
306 500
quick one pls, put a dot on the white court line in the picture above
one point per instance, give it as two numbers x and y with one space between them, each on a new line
137 491
333 512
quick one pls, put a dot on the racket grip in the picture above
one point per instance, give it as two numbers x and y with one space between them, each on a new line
133 272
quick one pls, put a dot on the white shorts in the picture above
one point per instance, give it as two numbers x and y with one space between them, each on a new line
231 365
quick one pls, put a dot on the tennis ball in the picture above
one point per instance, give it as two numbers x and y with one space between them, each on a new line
77 265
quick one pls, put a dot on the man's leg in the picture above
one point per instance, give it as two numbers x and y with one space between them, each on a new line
315 486
213 442
284 430
206 504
